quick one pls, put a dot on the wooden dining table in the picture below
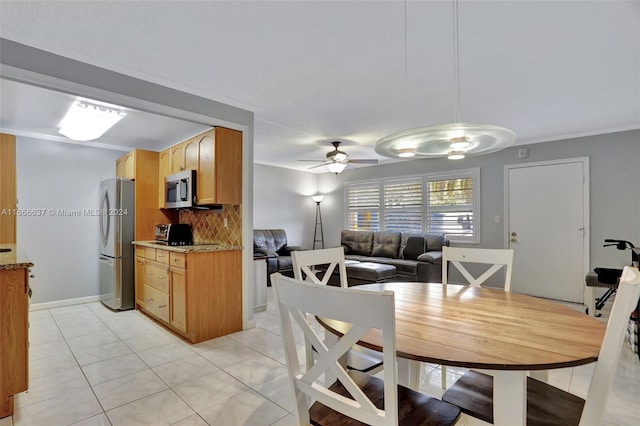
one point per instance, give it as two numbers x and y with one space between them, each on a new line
483 328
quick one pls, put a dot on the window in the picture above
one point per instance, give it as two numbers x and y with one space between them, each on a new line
443 203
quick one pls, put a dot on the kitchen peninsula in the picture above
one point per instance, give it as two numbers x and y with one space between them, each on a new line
14 325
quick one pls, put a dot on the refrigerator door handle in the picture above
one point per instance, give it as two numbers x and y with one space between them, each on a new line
104 217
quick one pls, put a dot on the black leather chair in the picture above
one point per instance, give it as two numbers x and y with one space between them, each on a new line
272 243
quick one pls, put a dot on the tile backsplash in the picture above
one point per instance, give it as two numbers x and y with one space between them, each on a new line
208 225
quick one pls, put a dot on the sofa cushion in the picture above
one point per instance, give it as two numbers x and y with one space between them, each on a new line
370 271
271 239
436 241
404 267
357 242
415 247
386 244
284 262
431 257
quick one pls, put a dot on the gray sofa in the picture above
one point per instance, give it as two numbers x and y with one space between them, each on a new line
416 256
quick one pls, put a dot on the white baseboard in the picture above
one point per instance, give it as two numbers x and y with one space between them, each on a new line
61 303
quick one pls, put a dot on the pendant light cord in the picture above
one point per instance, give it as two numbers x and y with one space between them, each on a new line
406 90
456 61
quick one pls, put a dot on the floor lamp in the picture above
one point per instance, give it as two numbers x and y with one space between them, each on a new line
318 199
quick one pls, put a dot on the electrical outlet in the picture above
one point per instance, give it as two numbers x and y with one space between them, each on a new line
225 223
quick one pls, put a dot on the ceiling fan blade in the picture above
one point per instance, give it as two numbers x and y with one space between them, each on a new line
364 161
315 161
315 167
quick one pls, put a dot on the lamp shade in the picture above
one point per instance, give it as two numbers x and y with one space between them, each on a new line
318 198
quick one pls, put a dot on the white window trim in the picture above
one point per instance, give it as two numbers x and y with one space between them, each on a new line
474 173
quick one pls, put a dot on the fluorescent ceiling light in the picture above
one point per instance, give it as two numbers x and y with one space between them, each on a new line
87 120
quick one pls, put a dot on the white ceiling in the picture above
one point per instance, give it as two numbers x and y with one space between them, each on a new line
317 71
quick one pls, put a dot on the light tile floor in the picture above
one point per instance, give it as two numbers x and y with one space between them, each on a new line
90 366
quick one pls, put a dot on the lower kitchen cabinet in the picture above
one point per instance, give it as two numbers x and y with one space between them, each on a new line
14 336
178 298
198 294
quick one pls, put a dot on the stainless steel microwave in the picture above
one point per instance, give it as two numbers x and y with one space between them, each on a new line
180 190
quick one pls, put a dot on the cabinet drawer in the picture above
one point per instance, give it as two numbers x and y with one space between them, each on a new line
146 252
162 256
178 260
156 303
157 276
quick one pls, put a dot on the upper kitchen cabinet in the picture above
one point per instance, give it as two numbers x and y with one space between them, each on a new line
219 178
216 156
165 170
8 189
184 156
126 166
144 167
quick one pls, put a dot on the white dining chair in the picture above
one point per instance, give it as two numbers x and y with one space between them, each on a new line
460 258
354 395
305 265
317 266
546 404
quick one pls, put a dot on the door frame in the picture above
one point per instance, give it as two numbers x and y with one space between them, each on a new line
585 197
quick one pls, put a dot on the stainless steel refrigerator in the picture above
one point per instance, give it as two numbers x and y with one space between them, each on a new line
117 198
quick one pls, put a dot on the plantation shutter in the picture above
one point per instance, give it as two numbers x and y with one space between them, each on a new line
403 205
363 206
451 206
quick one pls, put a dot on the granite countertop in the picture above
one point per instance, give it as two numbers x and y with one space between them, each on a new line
14 259
197 248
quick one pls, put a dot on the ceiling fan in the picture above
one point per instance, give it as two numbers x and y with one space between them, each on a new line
337 160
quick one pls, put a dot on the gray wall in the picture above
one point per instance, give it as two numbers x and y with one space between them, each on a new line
614 188
281 200
64 249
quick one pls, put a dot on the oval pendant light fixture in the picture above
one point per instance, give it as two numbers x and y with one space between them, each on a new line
455 140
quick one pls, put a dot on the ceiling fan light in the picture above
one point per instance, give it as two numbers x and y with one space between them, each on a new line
456 155
87 121
336 167
340 156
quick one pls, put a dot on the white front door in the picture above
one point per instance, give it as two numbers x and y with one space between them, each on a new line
546 223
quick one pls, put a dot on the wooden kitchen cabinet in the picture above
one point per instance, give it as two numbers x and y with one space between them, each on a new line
165 170
14 336
178 298
220 167
126 166
191 154
196 294
8 189
139 277
216 156
177 158
143 167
